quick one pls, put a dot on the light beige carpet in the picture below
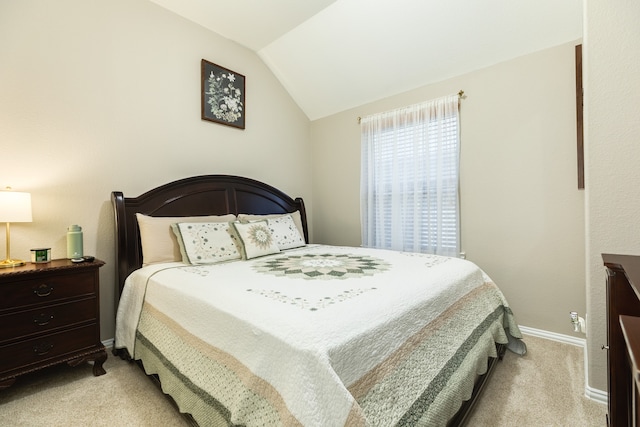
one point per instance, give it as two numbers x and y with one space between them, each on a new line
543 388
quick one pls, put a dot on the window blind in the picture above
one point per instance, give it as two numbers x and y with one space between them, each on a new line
410 178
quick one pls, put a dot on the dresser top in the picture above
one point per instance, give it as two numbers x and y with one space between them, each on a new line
629 264
53 265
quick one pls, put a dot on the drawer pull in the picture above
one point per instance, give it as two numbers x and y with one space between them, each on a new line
42 349
43 290
42 319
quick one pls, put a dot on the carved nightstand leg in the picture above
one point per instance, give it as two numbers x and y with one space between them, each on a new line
98 358
97 363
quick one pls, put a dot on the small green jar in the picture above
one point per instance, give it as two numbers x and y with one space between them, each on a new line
74 242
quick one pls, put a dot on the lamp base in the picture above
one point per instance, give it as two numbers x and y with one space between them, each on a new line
7 263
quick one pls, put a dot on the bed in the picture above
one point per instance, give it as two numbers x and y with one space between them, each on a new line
272 330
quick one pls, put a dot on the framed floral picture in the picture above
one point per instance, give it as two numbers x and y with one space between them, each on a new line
222 95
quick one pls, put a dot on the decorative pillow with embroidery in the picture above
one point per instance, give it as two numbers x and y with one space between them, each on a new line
206 242
285 232
297 219
256 239
159 243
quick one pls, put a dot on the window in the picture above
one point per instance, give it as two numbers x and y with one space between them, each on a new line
410 178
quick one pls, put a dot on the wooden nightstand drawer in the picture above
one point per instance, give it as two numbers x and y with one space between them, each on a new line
52 346
21 324
46 290
49 314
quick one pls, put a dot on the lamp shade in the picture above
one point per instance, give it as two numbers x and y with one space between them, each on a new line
15 206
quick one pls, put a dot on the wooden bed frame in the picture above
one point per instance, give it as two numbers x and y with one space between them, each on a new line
219 195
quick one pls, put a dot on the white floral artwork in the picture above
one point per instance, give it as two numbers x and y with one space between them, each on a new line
223 95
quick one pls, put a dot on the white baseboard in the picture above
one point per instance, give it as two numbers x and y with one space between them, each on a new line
567 339
108 343
594 394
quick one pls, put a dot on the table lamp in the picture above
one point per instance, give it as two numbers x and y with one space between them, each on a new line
15 206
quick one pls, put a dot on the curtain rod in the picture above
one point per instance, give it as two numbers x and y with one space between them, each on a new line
460 95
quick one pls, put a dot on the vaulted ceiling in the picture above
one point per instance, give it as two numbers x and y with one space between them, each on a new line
332 55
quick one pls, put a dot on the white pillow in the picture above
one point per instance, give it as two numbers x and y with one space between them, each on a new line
255 239
159 243
285 232
206 242
297 219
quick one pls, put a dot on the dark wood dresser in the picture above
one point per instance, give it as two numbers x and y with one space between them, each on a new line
623 338
49 314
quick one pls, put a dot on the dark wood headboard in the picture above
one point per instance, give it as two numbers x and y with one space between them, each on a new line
199 195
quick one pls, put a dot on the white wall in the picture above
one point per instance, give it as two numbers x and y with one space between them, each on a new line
612 150
522 213
97 96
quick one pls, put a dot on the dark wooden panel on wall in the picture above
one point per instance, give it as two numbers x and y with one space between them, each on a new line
579 106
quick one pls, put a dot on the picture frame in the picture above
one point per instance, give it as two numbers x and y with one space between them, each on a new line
222 95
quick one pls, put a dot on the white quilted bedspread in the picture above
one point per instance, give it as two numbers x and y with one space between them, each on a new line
313 323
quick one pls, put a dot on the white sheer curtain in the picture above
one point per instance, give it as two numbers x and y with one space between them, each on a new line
410 178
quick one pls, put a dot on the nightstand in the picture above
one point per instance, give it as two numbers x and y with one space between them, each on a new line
49 314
